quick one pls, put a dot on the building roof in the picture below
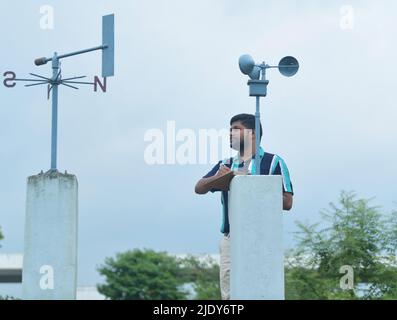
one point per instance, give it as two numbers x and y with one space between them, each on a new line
11 268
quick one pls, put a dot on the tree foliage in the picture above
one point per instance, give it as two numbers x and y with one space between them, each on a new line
355 234
204 274
1 236
150 275
141 275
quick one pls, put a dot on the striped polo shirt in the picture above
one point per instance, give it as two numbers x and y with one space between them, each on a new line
270 164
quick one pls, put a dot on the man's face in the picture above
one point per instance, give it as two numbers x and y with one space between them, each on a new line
240 136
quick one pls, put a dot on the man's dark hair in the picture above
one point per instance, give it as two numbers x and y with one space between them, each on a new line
247 120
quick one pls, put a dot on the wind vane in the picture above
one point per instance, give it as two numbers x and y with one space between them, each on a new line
107 48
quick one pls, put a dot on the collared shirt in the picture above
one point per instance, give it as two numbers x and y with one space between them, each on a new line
270 164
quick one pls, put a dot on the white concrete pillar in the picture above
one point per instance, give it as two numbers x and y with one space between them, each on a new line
256 238
50 254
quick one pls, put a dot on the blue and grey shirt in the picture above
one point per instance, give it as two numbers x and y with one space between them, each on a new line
271 164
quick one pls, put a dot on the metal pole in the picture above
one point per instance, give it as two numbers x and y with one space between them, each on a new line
54 127
257 137
82 51
44 60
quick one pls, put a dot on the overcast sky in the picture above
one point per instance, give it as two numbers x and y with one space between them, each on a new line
333 123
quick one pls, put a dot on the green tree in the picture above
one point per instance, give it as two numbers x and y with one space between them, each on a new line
355 234
142 275
204 275
1 236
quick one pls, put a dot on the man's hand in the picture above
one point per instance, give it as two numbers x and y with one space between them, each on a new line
223 170
206 184
287 201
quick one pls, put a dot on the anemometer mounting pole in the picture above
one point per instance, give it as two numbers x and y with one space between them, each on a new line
258 88
287 66
257 136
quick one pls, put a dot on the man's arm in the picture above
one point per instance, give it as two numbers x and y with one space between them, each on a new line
281 169
204 184
287 200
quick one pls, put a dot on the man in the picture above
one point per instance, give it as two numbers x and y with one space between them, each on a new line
242 139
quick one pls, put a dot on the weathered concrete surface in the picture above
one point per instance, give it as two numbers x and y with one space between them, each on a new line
50 254
256 235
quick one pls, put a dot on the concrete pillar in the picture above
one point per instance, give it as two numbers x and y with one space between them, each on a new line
256 234
50 254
